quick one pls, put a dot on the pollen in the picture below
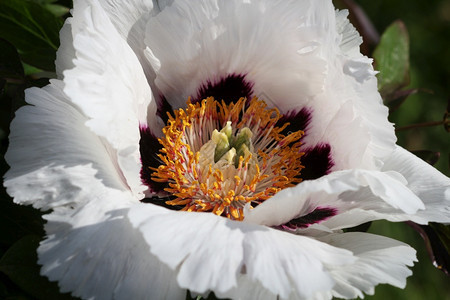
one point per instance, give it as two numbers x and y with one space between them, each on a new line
219 157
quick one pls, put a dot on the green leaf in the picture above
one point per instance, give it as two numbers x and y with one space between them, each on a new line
33 30
57 10
30 70
19 263
392 59
10 65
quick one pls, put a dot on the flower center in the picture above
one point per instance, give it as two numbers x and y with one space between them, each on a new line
248 161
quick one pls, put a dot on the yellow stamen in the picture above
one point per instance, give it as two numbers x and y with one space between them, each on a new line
218 157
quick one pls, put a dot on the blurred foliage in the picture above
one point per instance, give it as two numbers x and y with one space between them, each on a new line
426 282
29 37
418 110
428 24
416 90
33 29
391 58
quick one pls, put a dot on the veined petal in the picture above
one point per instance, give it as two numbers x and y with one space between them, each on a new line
58 148
380 260
350 116
187 40
381 194
109 86
130 18
50 146
66 51
248 290
95 253
58 163
426 182
223 249
296 263
202 264
350 39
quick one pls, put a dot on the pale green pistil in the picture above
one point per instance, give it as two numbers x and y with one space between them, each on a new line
225 141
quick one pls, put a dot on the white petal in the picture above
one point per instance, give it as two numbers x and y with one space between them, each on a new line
49 146
359 134
279 261
205 250
360 69
95 253
291 262
350 116
129 18
426 182
381 194
66 52
205 42
58 163
248 290
380 260
109 86
350 38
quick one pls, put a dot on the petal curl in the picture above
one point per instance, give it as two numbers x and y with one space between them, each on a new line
350 39
95 253
109 86
186 40
129 18
223 249
426 182
380 194
66 52
48 143
59 164
380 260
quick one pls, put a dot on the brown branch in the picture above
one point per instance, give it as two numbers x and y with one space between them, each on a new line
425 124
364 25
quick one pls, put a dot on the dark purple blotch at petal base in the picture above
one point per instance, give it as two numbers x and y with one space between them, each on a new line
149 147
318 215
298 120
317 162
163 107
229 89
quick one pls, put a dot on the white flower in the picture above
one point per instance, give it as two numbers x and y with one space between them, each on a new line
83 150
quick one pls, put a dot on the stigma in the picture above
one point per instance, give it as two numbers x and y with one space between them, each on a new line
219 157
